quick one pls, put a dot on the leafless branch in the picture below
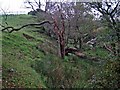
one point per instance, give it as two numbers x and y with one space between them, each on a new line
115 9
30 3
17 29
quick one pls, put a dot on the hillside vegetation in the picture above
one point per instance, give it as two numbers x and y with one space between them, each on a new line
32 62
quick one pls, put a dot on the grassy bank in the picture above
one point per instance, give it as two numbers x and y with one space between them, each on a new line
33 63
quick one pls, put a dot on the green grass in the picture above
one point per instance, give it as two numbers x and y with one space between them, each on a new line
18 54
40 67
19 20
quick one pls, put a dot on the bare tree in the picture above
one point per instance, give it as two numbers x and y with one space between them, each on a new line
62 15
110 12
60 31
81 23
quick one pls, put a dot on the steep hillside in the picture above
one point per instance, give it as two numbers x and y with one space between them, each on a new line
32 62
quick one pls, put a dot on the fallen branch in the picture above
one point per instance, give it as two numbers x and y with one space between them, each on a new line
108 48
17 29
81 54
74 51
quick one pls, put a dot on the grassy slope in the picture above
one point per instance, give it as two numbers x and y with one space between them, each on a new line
18 54
24 65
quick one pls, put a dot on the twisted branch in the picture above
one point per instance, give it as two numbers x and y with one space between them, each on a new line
17 29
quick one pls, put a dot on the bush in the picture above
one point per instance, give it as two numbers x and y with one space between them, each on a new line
109 77
56 73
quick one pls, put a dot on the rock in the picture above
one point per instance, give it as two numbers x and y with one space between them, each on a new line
11 70
94 58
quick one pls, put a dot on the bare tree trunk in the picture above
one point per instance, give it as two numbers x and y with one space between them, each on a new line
62 46
75 42
80 43
68 33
